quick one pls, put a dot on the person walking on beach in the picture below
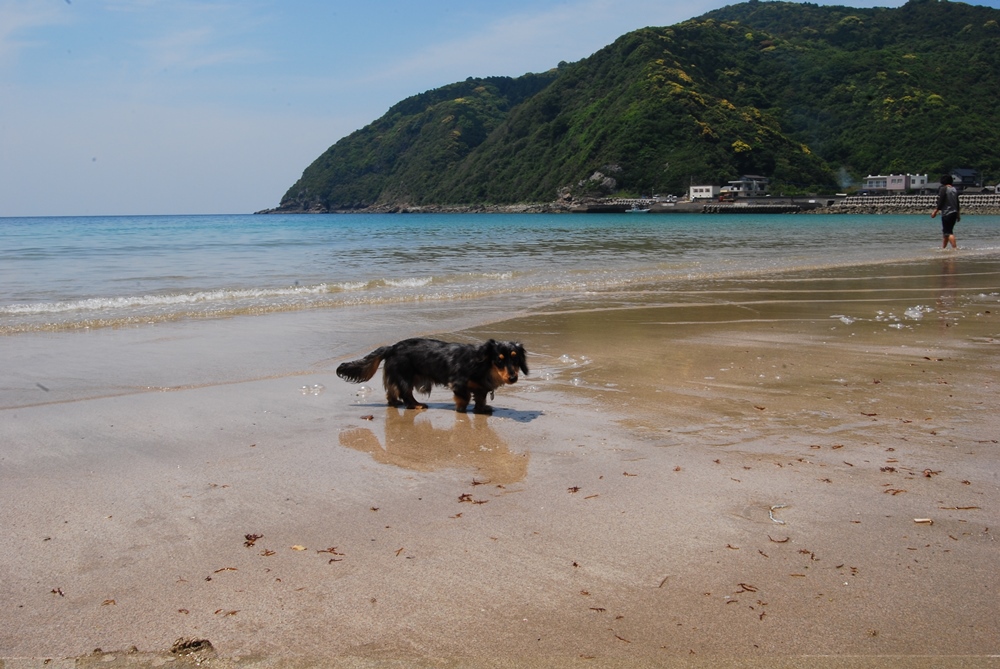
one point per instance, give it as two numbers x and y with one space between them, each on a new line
947 206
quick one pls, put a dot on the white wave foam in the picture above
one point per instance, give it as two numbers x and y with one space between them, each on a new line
166 300
917 312
413 282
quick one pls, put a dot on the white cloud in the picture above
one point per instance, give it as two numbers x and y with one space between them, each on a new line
20 16
171 6
535 41
193 48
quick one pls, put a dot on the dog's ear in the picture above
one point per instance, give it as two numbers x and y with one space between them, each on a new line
488 351
522 357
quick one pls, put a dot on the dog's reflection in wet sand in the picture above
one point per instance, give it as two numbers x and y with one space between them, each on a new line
420 446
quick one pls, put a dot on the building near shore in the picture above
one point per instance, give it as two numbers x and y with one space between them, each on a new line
894 184
748 185
703 193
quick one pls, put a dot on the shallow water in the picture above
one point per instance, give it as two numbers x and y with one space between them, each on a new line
72 273
104 306
718 353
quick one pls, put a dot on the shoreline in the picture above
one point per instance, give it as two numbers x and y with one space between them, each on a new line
867 205
712 480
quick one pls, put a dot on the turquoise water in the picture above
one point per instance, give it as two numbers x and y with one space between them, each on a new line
90 272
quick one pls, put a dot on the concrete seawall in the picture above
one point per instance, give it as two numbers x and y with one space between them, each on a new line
911 204
855 204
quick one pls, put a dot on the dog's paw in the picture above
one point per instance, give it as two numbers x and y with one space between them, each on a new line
485 409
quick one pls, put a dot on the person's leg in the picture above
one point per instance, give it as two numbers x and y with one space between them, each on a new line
948 228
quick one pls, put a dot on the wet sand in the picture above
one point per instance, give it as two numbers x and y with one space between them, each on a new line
734 473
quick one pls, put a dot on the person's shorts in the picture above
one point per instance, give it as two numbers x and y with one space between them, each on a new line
948 223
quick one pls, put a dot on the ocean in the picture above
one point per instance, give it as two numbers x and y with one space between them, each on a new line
272 295
73 273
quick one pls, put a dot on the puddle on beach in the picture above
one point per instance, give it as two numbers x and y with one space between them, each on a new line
414 440
729 360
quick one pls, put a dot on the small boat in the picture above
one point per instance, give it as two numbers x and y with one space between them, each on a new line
636 210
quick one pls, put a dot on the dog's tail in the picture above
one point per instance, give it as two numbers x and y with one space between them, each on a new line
359 371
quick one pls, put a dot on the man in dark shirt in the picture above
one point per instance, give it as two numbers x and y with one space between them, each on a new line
947 206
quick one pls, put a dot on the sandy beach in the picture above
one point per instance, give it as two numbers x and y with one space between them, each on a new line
796 470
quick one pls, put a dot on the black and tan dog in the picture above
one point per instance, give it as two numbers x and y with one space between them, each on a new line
470 370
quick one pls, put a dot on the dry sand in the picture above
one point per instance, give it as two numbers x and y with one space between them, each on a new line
736 475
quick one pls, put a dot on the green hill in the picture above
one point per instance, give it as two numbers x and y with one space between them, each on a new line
812 97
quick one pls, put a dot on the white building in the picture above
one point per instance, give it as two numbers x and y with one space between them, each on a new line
893 184
703 192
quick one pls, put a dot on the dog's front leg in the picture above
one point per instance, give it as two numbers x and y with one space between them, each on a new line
481 405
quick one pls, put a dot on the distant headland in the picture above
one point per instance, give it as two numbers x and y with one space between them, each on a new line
813 97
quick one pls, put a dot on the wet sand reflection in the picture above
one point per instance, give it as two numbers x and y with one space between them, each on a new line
411 441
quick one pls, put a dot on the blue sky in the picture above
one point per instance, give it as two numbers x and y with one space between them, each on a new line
216 106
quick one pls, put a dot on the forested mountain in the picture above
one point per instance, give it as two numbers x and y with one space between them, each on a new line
813 97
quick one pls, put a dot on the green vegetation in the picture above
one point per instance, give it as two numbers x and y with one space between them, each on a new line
800 93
